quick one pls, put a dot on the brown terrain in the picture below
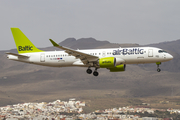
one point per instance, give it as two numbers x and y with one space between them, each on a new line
21 82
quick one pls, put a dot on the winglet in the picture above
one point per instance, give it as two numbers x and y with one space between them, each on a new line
54 43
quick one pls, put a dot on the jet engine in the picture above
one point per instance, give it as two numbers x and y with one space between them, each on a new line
118 68
110 62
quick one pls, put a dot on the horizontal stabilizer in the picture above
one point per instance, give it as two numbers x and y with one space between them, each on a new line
18 55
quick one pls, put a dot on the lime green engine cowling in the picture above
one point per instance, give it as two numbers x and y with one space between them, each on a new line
108 62
113 64
118 68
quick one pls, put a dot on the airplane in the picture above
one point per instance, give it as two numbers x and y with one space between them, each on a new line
114 59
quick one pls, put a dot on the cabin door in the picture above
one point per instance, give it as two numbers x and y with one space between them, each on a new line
150 53
42 57
104 53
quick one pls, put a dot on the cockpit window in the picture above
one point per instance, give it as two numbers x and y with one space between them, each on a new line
162 51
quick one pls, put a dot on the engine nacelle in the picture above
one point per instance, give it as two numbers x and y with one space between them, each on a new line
119 61
118 68
110 62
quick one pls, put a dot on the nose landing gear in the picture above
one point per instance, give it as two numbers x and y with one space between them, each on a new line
158 69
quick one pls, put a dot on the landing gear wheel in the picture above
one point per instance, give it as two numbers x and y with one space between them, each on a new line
95 73
89 71
159 70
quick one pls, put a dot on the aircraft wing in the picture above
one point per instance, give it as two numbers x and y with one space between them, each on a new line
18 55
84 57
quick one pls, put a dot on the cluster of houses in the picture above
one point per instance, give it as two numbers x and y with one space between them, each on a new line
71 110
127 110
42 110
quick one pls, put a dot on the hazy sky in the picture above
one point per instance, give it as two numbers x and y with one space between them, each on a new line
118 21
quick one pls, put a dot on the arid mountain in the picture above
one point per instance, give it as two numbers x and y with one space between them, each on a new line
21 82
88 43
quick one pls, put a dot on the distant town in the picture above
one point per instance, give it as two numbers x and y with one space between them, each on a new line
73 109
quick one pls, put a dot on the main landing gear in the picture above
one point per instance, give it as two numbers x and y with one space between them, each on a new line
95 73
158 69
89 71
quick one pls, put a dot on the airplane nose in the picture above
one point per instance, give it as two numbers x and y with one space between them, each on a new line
170 57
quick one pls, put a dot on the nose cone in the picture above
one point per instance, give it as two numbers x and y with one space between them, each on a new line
169 57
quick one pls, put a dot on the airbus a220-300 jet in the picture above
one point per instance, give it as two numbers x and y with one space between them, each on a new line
114 59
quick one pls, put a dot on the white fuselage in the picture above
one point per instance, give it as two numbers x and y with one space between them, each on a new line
135 55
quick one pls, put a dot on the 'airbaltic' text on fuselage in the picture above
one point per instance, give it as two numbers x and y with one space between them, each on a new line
128 51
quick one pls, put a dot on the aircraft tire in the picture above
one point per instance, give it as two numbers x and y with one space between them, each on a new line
89 71
95 73
159 70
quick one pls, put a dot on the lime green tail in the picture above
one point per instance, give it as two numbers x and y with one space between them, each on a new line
23 44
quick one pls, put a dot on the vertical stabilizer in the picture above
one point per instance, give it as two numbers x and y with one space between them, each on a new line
23 44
